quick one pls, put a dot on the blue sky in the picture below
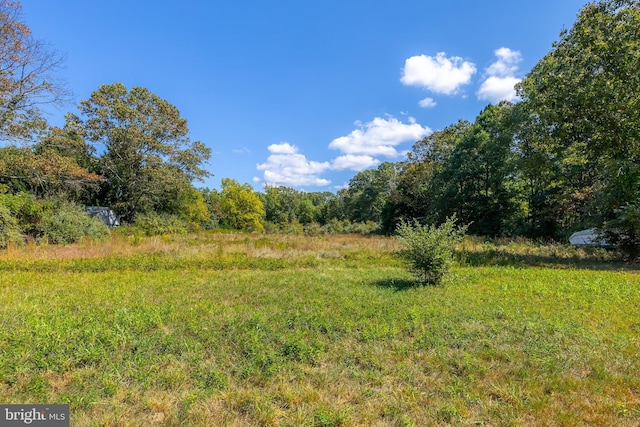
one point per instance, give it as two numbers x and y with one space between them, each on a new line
303 93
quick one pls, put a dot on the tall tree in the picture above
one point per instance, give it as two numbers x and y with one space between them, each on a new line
147 151
369 191
28 77
585 94
417 193
241 207
281 204
477 179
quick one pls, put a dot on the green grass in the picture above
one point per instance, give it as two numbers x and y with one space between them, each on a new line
242 330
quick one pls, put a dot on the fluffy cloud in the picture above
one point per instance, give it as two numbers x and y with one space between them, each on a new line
282 148
439 74
427 103
354 163
286 166
379 137
501 77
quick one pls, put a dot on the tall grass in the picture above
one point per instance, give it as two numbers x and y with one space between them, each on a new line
248 330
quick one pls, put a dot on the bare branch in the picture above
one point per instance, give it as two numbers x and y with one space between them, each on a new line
28 78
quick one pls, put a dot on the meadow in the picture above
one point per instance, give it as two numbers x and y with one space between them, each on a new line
215 329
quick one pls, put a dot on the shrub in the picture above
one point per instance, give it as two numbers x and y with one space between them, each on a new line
335 226
68 223
623 231
313 229
154 224
27 210
9 228
427 249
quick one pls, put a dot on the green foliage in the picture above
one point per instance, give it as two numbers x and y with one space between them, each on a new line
44 171
567 157
418 193
154 224
68 223
27 208
623 230
286 206
581 103
241 207
149 158
54 221
185 202
27 211
10 232
368 193
476 183
336 226
427 249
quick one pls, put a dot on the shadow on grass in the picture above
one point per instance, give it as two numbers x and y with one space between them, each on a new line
500 257
399 284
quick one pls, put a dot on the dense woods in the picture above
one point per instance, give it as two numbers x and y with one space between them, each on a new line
565 157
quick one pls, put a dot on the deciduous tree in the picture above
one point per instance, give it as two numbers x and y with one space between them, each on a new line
28 76
477 179
585 94
241 207
147 151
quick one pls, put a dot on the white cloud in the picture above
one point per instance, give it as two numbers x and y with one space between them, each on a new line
427 103
285 166
354 163
496 89
507 63
439 74
379 137
282 148
501 77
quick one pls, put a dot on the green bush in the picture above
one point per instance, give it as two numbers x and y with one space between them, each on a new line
154 224
27 210
313 229
68 223
427 249
9 228
335 226
623 231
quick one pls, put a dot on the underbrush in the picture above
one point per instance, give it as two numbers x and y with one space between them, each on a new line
24 218
477 251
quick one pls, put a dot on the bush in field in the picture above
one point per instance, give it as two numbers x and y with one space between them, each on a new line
623 231
9 228
427 249
335 226
27 210
154 224
68 223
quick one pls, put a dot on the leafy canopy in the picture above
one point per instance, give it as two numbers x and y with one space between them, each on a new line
148 156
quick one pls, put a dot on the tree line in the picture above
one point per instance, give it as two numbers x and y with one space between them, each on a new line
565 157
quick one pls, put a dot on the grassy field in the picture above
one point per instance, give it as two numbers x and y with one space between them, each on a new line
251 330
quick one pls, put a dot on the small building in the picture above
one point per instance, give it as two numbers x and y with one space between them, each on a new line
105 214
